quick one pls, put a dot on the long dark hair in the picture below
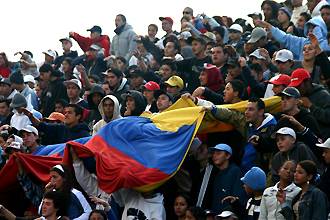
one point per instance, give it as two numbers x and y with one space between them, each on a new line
310 168
101 212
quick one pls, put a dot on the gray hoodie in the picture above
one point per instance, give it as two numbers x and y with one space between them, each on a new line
123 43
115 115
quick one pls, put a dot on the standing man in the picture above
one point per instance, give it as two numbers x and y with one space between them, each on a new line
167 26
123 43
67 52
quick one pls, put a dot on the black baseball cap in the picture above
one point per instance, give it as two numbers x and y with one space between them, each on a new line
95 28
291 92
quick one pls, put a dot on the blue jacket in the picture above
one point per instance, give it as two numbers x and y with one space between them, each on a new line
296 44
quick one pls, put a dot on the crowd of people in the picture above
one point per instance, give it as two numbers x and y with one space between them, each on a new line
272 165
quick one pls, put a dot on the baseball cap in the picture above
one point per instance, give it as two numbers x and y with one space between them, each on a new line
255 178
175 81
280 79
221 147
95 47
73 81
227 214
169 19
30 129
29 78
184 35
287 131
151 86
291 92
326 144
199 39
17 143
209 36
284 55
51 53
236 27
66 39
5 81
95 28
162 92
298 76
56 116
257 55
255 14
257 34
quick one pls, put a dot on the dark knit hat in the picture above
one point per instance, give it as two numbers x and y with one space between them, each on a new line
16 78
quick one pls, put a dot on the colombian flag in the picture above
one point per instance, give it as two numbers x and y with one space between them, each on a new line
141 152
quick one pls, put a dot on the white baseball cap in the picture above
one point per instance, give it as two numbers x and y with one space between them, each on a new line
236 27
29 78
30 129
326 144
284 55
287 131
51 53
257 55
73 81
184 35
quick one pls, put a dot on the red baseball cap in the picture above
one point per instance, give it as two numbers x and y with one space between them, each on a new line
169 19
280 79
152 86
298 76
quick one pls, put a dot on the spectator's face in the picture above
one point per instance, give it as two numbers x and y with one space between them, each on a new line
140 47
4 109
29 139
203 78
66 45
169 50
166 25
218 37
163 102
229 94
96 98
233 72
311 4
72 91
267 10
187 13
119 21
96 216
66 67
283 67
31 85
220 157
277 89
235 36
113 80
130 103
326 155
218 56
309 52
48 59
45 76
288 103
180 206
152 31
38 90
282 17
325 13
252 113
284 142
70 116
301 22
120 65
248 189
149 95
173 90
47 208
137 81
165 71
286 172
108 107
59 108
56 179
95 35
197 47
301 176
106 88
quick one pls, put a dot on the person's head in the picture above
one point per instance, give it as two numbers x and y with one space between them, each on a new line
114 77
46 72
4 107
164 100
235 32
61 178
50 56
195 213
97 215
137 79
66 43
17 80
218 55
270 9
18 102
286 171
325 13
234 69
3 60
280 82
284 60
198 46
285 139
95 32
258 37
167 68
108 107
167 24
290 99
56 117
135 102
152 30
149 90
254 181
73 88
258 58
120 20
220 155
67 65
121 63
106 88
311 4
60 105
301 79
257 72
5 87
326 150
255 110
303 18
174 85
181 204
73 114
219 34
52 205
30 137
171 48
210 77
309 52
233 91
284 15
306 172
188 13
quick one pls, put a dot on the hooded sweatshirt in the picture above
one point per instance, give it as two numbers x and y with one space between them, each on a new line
296 44
140 103
123 42
115 115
